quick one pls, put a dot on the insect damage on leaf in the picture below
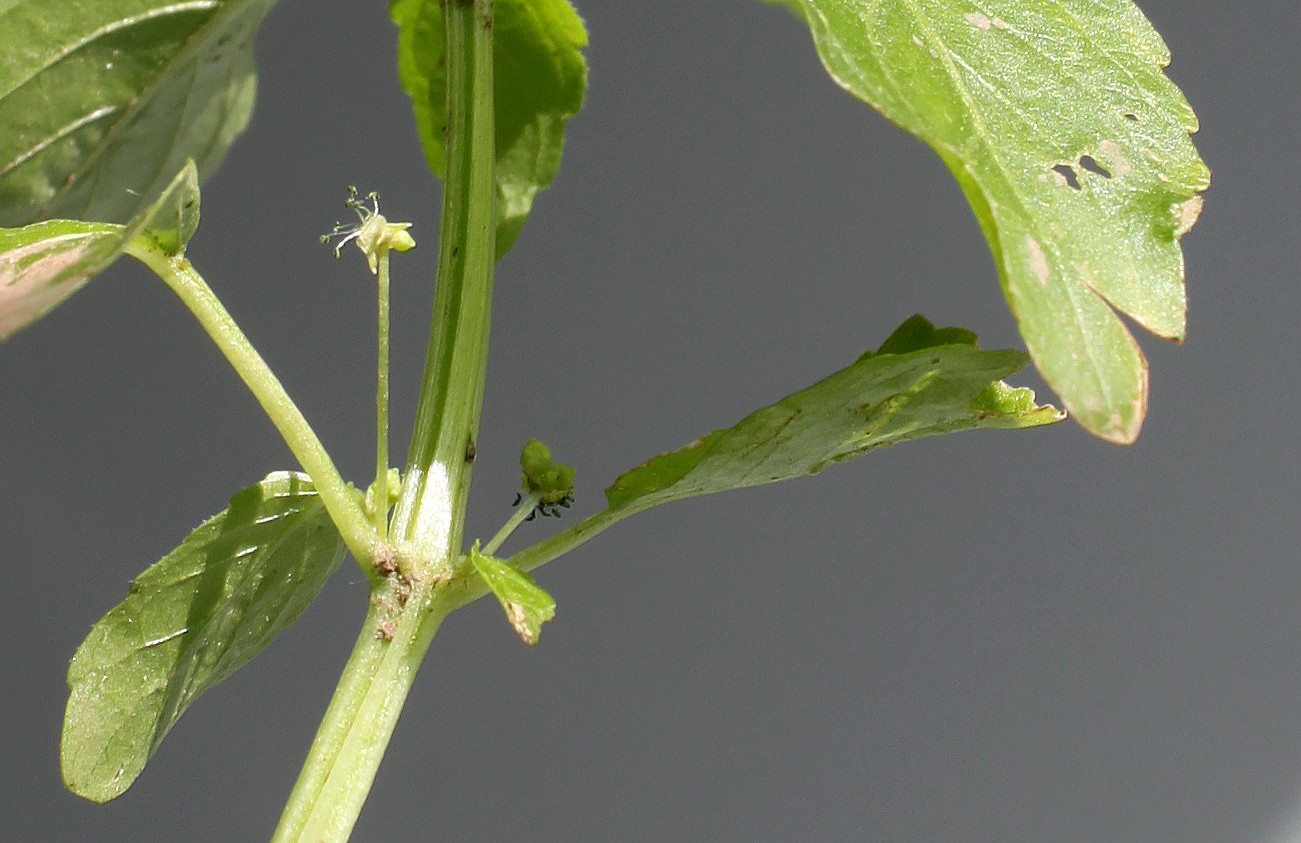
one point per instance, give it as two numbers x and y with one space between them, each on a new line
921 380
1075 152
518 616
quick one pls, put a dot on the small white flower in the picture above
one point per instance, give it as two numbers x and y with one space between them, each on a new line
373 233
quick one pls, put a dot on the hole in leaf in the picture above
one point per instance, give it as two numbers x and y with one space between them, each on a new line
1090 164
1067 172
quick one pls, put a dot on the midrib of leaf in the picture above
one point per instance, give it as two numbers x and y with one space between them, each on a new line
63 132
987 150
224 11
932 38
201 674
164 80
111 28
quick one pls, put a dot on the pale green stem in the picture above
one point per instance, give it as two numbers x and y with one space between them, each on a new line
548 549
429 515
340 501
380 500
521 514
356 728
566 540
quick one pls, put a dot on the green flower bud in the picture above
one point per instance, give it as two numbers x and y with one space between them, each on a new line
552 482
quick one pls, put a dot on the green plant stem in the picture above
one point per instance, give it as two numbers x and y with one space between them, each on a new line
380 504
561 543
355 731
535 556
340 501
428 518
518 517
437 477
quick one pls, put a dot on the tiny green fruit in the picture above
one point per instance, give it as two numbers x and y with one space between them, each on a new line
552 482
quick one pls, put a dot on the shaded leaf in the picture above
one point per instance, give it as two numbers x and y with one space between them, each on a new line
189 621
103 102
526 604
922 381
1073 148
44 263
539 80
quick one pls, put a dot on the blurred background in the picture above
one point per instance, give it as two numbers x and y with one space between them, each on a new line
1001 636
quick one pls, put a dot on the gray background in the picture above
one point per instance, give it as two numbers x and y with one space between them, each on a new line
1025 636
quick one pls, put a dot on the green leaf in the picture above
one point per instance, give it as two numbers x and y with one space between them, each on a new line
44 263
526 604
539 80
1073 148
103 102
188 622
922 381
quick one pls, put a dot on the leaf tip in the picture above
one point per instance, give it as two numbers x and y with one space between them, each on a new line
1120 422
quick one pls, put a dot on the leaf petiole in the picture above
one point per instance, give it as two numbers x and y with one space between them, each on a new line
340 501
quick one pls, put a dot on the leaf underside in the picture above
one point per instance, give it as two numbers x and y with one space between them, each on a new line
921 381
188 622
540 77
43 263
103 102
1074 150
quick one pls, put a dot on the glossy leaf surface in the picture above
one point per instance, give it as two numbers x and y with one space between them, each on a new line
526 604
1073 148
102 102
922 381
539 80
189 621
43 263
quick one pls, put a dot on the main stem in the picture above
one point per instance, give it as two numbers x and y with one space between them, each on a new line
427 516
407 607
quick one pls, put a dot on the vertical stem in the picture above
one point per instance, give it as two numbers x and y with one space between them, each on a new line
380 500
357 726
428 513
407 608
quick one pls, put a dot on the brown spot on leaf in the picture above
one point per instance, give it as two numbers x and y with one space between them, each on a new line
1038 262
518 617
1186 214
1111 152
